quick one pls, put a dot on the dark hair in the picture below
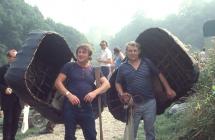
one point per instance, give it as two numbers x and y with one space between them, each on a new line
11 51
104 42
116 50
85 46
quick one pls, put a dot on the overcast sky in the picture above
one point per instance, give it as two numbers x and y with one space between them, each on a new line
110 15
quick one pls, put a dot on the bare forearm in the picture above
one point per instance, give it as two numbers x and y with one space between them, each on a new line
164 81
61 88
109 61
121 56
103 88
119 88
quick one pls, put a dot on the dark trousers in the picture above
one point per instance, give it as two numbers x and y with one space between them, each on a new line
82 115
11 120
105 70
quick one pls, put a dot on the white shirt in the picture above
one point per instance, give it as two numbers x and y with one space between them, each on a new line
105 55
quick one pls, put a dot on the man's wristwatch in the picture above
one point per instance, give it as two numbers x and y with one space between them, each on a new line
67 93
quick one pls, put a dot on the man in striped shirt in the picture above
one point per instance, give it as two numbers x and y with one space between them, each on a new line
134 79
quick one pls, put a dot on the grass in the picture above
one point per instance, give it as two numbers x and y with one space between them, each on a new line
30 132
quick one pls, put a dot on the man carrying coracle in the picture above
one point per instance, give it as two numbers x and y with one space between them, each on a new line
134 81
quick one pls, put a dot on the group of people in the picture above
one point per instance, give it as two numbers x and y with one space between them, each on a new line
133 83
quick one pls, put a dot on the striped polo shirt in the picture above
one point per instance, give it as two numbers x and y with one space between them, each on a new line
137 82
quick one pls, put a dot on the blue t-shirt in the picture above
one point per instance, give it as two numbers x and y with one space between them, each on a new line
137 82
117 62
80 80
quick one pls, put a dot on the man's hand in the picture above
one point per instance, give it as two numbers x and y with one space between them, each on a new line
73 99
90 97
126 98
171 93
8 91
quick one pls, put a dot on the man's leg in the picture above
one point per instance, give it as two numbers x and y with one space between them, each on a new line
7 123
15 118
105 71
149 119
69 121
87 123
137 115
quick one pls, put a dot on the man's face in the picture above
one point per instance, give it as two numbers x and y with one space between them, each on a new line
83 55
12 56
132 53
103 46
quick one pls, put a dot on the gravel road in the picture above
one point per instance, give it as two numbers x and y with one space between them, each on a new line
112 130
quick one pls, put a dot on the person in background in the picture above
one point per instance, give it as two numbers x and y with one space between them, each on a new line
10 102
105 60
79 92
119 57
134 82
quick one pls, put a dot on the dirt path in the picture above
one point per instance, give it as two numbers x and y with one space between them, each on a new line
112 130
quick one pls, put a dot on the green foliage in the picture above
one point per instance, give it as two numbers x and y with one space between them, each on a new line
165 126
200 121
17 19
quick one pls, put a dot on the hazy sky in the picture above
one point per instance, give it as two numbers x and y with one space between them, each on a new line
110 15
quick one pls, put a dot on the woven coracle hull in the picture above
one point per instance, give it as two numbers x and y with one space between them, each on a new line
167 52
33 73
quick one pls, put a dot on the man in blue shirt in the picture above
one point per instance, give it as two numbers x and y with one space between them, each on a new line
76 83
134 81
